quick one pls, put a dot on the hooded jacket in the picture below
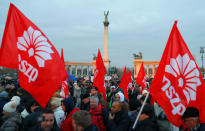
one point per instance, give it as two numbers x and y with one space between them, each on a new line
70 109
11 122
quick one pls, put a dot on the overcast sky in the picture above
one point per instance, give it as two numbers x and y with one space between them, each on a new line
135 26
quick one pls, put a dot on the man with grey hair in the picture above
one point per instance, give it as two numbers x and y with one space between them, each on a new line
81 121
96 113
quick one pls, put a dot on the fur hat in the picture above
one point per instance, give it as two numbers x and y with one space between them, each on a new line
56 101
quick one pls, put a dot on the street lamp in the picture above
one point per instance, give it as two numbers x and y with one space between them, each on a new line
202 58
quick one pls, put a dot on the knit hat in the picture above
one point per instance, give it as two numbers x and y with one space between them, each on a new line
84 96
144 92
95 88
112 87
190 112
122 97
56 101
4 95
10 106
17 99
148 110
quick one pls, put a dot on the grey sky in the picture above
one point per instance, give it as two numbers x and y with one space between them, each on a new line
135 25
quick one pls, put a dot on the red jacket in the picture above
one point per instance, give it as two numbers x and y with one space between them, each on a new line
97 118
67 123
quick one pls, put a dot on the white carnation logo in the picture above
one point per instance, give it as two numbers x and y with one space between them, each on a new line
187 74
36 45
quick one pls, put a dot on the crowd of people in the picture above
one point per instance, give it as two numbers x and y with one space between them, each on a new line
84 109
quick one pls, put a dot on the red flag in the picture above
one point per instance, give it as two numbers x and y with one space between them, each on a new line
99 76
26 48
64 84
178 83
123 82
64 89
141 79
128 83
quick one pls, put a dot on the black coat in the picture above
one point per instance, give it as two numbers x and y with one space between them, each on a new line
200 128
149 124
91 128
121 122
38 128
32 119
84 106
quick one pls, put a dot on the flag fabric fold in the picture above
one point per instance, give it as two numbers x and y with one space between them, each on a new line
26 48
178 83
126 81
141 79
64 84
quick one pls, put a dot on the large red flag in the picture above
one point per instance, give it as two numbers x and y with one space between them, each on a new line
26 48
141 79
178 83
64 84
99 76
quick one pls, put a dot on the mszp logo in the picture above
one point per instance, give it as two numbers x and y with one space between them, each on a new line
36 45
185 71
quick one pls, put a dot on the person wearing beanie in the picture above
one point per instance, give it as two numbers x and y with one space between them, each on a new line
85 102
191 120
58 111
3 100
147 121
120 97
11 118
17 99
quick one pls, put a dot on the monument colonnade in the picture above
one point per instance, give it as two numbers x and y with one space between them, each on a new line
150 67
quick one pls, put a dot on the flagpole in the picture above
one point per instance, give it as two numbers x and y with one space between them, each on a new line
140 111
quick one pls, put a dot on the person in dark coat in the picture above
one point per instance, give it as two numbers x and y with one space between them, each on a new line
3 100
82 121
46 122
118 119
147 121
85 102
32 119
11 119
191 120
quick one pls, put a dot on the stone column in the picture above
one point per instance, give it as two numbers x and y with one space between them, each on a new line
71 70
93 69
106 23
153 70
76 71
147 70
88 70
81 70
